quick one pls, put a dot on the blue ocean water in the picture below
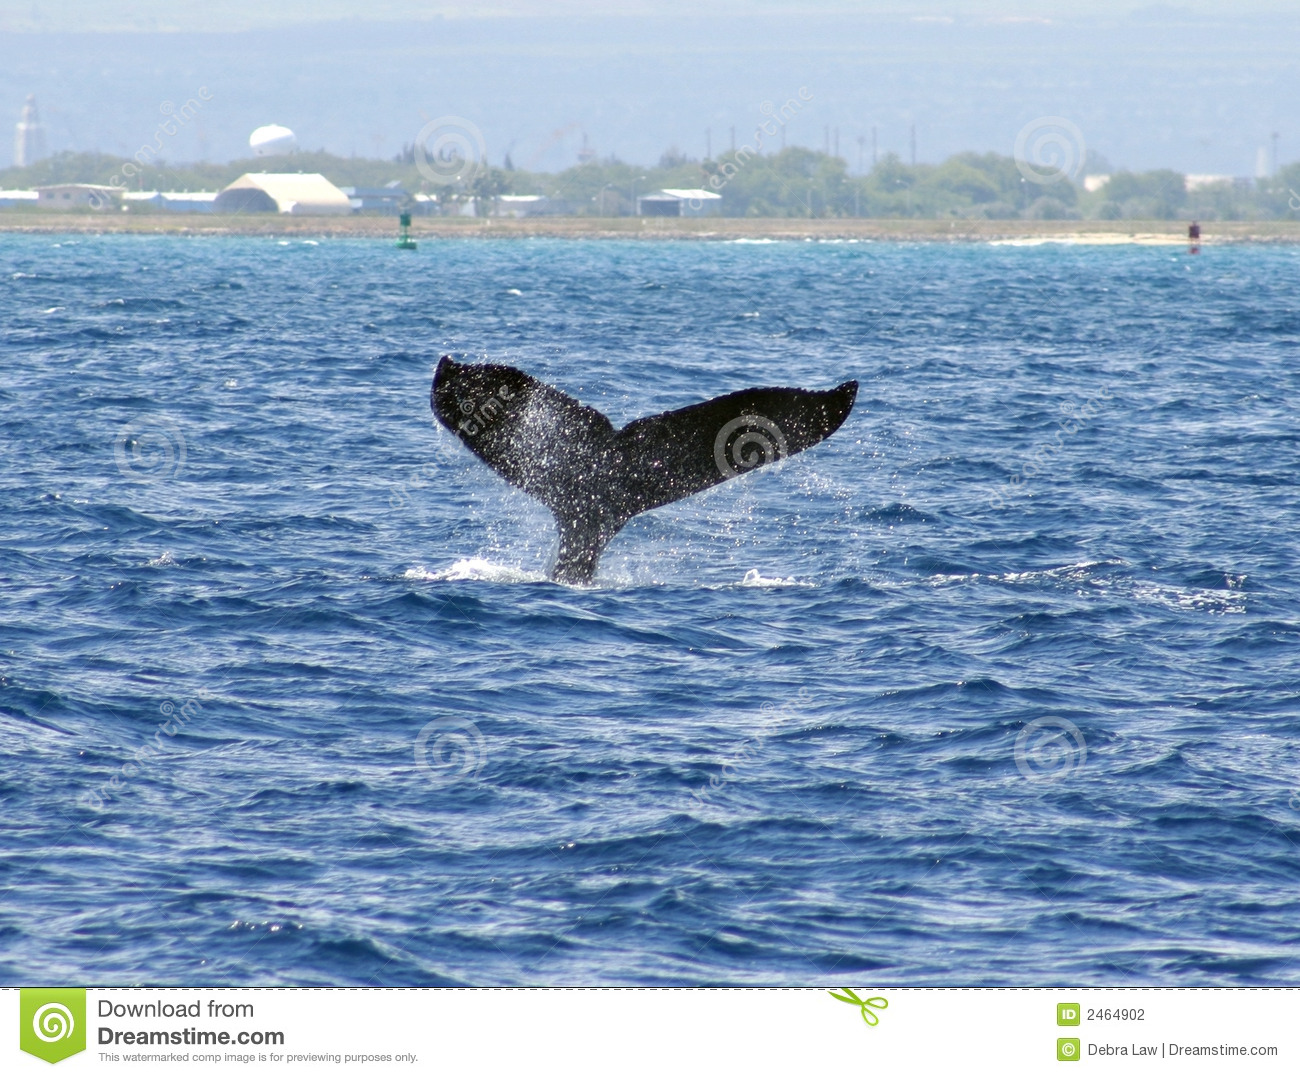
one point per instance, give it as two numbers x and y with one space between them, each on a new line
999 685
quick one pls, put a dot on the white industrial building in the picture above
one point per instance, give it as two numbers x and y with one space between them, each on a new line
171 201
519 205
301 194
678 202
61 196
389 199
1197 181
29 136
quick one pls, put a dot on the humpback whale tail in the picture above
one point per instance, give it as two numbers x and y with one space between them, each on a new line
594 478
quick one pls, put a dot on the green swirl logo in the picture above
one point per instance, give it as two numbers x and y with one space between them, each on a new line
52 1022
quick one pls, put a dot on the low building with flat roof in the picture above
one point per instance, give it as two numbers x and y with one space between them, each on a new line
528 205
387 199
679 202
18 198
60 196
1196 181
171 201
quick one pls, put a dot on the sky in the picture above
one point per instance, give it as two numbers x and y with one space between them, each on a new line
234 15
1201 87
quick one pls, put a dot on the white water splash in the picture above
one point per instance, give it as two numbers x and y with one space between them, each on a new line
754 578
476 568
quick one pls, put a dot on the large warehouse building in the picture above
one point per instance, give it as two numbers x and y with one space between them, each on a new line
303 194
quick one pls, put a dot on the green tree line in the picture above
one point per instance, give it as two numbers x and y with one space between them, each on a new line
795 182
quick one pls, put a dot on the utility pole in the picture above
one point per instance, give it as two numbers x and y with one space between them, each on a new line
708 143
874 157
826 140
862 142
837 142
733 140
913 145
1275 153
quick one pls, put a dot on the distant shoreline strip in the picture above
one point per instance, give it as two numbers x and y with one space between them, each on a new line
1001 233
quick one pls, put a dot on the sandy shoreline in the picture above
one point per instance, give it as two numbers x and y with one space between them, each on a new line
1018 233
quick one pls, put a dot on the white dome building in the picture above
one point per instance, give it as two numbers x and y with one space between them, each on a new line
272 141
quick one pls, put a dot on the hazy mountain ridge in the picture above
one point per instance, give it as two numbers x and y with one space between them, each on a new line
1198 94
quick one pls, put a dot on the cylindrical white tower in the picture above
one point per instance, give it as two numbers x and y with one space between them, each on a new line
29 136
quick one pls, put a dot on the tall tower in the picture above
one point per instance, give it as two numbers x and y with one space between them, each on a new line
29 136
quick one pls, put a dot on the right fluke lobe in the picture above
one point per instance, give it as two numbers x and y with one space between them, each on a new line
594 478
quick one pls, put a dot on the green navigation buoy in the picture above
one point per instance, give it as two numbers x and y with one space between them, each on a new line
404 240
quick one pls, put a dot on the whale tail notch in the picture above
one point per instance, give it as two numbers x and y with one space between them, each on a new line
594 478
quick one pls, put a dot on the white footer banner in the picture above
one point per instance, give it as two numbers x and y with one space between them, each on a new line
649 1030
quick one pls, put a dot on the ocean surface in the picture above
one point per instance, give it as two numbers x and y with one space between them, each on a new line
998 685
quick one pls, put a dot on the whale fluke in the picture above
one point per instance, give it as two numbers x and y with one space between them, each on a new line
594 478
